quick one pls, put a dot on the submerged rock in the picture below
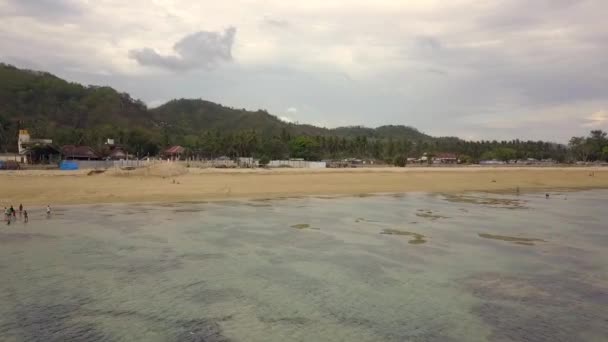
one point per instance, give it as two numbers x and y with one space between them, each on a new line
417 238
303 226
513 239
429 214
487 201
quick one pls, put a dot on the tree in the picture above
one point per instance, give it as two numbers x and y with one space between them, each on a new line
505 154
605 153
488 155
304 147
400 160
7 130
465 159
274 148
264 160
596 141
389 150
580 148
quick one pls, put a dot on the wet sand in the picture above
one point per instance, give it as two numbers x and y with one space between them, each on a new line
76 187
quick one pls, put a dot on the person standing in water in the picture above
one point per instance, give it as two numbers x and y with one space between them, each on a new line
11 213
25 218
20 209
7 215
48 210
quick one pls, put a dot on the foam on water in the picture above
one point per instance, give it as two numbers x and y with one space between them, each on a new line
413 267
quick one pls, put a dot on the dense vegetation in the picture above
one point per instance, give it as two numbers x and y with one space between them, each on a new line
70 113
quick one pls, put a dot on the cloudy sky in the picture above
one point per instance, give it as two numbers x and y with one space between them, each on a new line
476 69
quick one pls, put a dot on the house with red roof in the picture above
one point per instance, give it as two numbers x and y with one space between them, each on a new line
174 152
445 158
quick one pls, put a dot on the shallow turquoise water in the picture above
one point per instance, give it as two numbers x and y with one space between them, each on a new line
453 269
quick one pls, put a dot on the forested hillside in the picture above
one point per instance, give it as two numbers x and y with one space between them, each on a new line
70 113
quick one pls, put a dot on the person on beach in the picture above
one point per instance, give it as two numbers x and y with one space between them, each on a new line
25 218
7 215
13 212
48 210
20 209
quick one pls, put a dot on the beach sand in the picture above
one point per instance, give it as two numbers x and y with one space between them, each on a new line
77 187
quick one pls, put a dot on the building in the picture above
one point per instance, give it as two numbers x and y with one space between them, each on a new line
174 152
118 153
113 151
73 152
36 151
41 154
445 158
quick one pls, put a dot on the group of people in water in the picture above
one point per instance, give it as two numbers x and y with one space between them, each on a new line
10 214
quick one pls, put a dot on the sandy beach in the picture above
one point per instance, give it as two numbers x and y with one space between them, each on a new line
77 187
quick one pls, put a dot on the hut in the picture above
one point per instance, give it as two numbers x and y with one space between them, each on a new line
174 152
41 154
118 153
445 158
73 152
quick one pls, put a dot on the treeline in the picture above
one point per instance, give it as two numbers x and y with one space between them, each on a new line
591 148
248 143
70 113
211 144
150 141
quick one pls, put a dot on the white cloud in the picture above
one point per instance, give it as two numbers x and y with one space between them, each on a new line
286 119
155 103
598 119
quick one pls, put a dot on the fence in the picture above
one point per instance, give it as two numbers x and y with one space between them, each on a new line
301 164
211 163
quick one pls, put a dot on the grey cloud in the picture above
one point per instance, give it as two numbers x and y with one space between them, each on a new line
45 9
203 49
522 14
428 43
436 71
274 22
485 65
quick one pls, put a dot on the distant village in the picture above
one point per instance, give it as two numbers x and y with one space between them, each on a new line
42 153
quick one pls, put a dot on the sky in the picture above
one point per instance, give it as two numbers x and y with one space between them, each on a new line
468 68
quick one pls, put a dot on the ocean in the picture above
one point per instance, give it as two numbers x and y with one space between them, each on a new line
393 267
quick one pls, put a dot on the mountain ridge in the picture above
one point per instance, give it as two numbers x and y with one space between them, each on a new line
40 99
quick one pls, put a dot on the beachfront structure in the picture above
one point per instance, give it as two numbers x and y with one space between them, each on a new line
298 164
41 154
445 158
174 152
73 152
113 151
491 162
36 151
118 153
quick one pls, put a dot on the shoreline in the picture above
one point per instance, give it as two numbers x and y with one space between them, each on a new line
35 188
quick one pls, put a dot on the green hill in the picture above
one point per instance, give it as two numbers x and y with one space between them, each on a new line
70 113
